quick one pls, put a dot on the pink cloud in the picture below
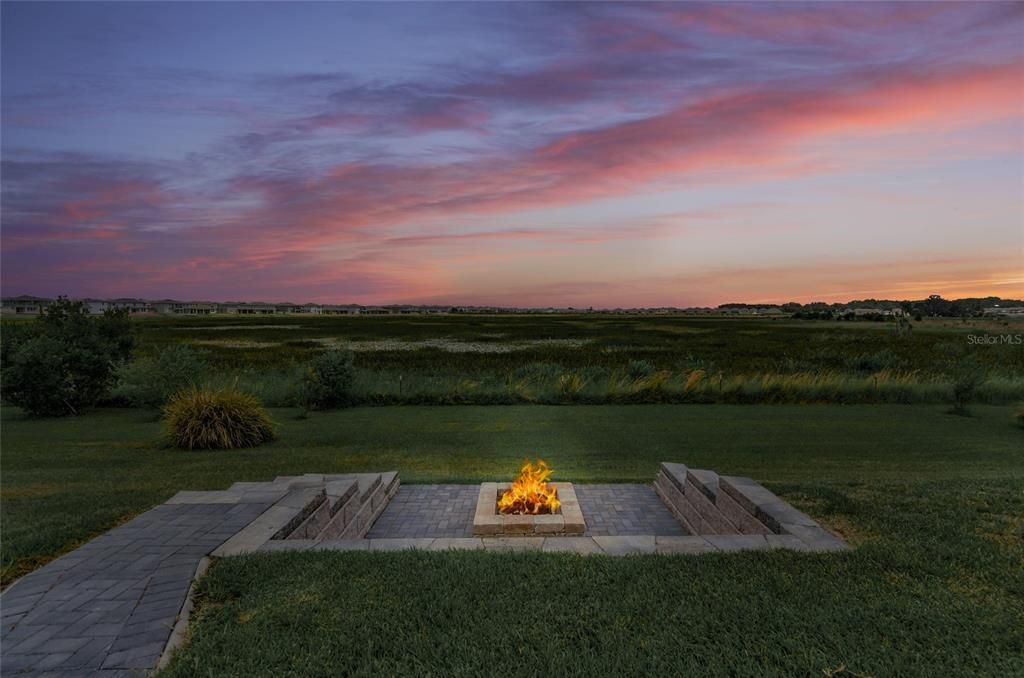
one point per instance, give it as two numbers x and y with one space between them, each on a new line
347 228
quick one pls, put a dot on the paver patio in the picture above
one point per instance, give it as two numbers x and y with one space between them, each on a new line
420 511
110 607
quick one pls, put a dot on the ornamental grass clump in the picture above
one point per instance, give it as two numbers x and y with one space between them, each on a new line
216 419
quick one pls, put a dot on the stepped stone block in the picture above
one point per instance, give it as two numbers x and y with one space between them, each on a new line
310 507
740 517
748 493
672 496
368 483
304 501
337 492
675 473
390 482
737 513
705 481
707 509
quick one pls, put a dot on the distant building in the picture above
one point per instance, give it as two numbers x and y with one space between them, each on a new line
193 308
24 305
1004 310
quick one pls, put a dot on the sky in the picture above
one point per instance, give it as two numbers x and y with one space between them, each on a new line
515 154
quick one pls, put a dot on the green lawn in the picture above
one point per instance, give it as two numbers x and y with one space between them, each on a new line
65 480
932 502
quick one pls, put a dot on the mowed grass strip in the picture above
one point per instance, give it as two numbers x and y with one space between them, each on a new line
933 588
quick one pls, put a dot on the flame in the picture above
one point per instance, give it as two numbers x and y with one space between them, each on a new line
530 492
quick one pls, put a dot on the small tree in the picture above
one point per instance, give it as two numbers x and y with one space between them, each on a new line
64 362
150 382
966 383
328 381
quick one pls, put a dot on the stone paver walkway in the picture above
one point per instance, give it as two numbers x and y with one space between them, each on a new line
625 509
446 511
420 511
108 607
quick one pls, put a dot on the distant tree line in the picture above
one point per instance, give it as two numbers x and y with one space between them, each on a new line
933 306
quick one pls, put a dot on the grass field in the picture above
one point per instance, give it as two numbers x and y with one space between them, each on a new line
932 502
68 479
502 343
595 359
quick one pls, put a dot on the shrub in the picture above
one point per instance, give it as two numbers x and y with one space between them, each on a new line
693 380
63 362
150 382
222 419
537 372
1019 416
570 384
965 390
875 362
328 381
639 369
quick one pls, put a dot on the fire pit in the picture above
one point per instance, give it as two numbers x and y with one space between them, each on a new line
528 505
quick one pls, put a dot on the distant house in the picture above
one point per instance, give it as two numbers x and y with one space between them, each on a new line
256 308
1004 310
97 306
336 309
163 306
24 305
132 306
871 312
194 308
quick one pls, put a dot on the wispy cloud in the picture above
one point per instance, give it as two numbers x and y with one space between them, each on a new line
390 178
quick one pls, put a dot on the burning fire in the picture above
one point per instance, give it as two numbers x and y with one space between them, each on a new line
530 492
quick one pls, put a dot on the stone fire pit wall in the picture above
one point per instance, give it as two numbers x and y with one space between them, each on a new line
709 504
488 522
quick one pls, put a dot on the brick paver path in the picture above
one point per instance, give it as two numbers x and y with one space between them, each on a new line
420 511
428 511
108 607
625 509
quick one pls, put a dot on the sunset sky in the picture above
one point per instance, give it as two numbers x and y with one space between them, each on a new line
517 154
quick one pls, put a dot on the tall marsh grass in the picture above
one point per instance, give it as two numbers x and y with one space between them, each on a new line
597 386
552 384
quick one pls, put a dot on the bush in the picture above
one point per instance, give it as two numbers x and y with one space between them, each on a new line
1019 416
875 362
222 419
328 381
537 372
63 362
150 382
965 390
639 369
570 384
